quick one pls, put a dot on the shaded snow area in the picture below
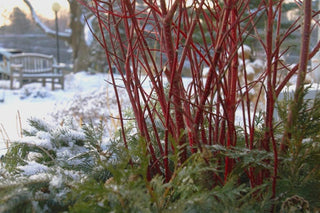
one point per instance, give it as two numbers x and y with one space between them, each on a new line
87 98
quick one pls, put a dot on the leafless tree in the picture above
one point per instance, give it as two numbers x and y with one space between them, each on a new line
75 38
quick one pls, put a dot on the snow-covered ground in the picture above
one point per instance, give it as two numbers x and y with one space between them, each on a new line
79 99
85 96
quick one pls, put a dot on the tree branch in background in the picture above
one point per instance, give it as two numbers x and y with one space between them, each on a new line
75 38
43 27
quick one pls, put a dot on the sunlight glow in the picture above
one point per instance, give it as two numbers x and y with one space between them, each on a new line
42 7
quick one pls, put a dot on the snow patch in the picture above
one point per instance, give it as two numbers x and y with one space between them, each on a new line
44 143
33 168
56 181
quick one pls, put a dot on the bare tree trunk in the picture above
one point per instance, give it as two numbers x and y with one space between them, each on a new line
298 95
75 38
77 41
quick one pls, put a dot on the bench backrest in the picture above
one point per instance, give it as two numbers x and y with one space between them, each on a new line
33 63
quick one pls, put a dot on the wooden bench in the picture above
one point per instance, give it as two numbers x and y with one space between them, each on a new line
31 67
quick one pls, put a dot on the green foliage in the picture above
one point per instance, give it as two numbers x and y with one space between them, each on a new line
35 195
190 189
77 172
299 171
119 182
115 179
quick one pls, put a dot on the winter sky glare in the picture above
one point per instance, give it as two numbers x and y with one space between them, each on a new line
42 7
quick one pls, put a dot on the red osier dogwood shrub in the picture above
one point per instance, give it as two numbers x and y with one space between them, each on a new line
161 40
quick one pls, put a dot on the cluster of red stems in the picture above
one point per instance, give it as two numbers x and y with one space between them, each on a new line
154 40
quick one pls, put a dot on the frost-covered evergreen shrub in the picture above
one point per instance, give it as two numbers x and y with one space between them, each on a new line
64 168
40 169
34 91
69 169
129 190
93 107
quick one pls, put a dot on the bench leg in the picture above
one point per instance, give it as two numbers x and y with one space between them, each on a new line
21 82
62 83
52 84
11 82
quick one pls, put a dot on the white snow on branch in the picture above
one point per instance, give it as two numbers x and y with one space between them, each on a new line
88 31
33 168
45 28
